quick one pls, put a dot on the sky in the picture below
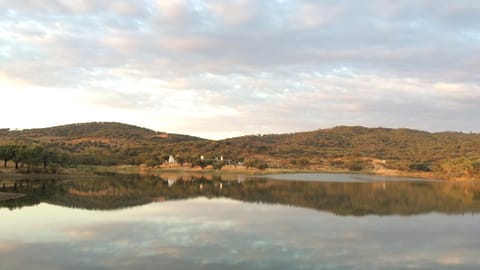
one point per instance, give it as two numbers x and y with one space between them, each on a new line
218 69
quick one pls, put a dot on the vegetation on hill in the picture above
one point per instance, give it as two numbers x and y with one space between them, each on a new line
448 155
116 132
98 143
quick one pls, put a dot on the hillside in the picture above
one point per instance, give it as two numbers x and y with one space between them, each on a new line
98 143
95 131
381 143
445 155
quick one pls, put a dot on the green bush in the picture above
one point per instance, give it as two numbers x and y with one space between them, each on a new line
337 163
423 167
356 165
256 163
218 165
53 168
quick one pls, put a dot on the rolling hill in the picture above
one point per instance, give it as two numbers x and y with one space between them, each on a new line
96 131
355 148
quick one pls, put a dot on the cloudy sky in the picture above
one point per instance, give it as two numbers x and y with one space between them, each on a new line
217 69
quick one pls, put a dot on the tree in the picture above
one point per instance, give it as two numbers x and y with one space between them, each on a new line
424 167
256 163
202 163
151 163
20 154
33 155
165 158
191 160
218 165
356 165
181 160
301 163
7 152
48 155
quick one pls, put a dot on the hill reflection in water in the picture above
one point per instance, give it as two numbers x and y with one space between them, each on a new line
108 192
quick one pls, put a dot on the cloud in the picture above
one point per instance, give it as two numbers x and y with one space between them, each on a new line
450 260
371 63
79 234
9 247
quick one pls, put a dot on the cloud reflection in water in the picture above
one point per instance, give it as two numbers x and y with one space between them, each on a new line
220 233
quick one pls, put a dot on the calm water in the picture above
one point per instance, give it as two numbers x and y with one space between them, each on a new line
132 222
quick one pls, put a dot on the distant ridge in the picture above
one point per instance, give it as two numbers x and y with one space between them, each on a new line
112 130
90 129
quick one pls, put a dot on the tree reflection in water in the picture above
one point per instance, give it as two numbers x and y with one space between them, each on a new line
108 192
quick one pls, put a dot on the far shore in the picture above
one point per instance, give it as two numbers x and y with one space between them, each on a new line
254 171
86 170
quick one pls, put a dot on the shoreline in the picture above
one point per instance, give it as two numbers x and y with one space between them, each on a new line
143 170
89 171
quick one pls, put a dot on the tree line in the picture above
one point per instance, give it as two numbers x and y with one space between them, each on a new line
51 157
29 155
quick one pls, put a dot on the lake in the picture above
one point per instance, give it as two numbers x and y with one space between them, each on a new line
312 221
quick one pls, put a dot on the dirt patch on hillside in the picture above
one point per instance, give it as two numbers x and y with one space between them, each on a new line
92 140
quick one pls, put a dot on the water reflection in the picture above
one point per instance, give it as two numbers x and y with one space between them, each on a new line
222 223
217 233
342 198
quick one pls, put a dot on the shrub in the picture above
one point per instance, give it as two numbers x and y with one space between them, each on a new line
218 165
256 163
356 165
337 163
423 167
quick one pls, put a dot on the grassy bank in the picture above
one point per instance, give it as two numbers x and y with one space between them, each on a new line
86 170
236 170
